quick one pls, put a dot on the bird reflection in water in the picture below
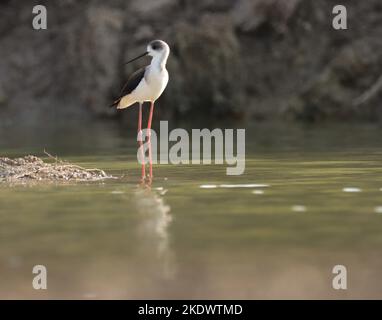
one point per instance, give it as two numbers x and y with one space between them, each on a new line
153 229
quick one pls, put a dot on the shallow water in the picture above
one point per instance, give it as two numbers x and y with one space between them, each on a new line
310 199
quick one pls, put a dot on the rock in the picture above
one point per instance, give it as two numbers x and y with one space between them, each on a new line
335 92
255 58
69 68
206 69
150 7
249 15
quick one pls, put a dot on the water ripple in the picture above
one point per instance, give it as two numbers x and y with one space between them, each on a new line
250 185
351 189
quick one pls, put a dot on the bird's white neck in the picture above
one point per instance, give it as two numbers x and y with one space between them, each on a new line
159 61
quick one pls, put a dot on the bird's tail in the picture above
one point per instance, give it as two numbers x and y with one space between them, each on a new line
115 103
125 102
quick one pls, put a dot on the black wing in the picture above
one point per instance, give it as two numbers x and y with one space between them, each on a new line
131 84
133 81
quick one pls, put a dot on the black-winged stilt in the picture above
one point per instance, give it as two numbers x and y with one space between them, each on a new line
146 85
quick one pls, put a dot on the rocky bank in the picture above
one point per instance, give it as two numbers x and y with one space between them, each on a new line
254 59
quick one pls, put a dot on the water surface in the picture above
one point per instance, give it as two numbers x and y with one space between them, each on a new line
310 199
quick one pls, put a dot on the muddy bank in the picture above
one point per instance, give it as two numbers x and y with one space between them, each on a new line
32 169
260 59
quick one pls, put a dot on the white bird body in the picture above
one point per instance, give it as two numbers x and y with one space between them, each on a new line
147 84
149 89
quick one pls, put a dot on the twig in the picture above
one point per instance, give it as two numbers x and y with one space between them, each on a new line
29 168
370 93
50 156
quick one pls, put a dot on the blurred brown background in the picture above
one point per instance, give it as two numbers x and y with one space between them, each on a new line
259 59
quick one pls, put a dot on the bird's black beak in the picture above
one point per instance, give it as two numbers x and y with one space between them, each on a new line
136 58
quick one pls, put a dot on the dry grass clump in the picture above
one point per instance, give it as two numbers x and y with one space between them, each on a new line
32 168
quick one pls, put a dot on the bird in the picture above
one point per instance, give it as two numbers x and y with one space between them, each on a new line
146 85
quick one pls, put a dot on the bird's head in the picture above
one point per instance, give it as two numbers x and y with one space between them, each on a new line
157 49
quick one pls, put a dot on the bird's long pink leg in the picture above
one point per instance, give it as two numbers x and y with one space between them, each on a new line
149 138
140 141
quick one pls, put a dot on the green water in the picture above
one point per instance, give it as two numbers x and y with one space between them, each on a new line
174 239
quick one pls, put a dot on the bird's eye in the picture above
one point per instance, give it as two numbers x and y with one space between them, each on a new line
156 45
